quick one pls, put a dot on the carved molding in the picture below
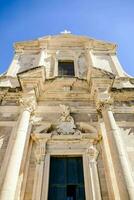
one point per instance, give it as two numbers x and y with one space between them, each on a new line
92 153
103 101
40 150
28 102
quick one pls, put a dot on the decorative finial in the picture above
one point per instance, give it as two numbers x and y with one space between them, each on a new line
66 32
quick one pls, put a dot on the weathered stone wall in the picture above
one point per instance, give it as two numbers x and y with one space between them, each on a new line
126 124
30 175
5 133
102 174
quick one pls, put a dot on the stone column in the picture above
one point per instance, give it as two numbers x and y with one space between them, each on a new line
40 156
114 130
93 154
13 168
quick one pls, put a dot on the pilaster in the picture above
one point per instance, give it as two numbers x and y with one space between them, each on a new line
92 154
40 156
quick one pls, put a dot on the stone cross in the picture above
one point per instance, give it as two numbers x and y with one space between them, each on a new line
66 32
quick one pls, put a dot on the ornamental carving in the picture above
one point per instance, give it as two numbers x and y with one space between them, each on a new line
66 123
103 101
92 153
28 102
40 150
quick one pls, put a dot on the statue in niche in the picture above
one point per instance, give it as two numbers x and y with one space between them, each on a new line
82 66
66 122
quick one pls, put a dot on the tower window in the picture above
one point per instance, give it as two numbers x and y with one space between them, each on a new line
66 68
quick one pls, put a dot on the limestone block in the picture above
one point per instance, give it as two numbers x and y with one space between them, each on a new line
103 61
27 61
124 117
30 177
82 66
4 138
8 116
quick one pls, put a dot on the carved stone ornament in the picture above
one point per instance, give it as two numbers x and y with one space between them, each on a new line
28 103
103 101
40 150
92 153
35 120
66 123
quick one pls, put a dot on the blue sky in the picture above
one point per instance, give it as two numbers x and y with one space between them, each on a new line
109 20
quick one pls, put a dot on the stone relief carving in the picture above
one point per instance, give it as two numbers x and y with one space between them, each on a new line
66 123
92 153
28 103
64 126
103 101
40 150
82 65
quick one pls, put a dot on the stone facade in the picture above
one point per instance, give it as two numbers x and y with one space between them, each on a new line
89 114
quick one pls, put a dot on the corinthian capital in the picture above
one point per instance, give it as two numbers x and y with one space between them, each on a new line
92 153
103 101
28 103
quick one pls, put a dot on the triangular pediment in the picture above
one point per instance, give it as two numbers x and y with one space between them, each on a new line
68 39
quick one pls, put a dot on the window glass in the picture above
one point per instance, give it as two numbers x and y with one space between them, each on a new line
66 68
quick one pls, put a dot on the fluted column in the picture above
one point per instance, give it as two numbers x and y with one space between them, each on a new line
92 155
113 129
13 168
40 156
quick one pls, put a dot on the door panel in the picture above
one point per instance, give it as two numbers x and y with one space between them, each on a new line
66 180
57 193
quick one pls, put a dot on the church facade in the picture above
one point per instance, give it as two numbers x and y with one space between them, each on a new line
66 122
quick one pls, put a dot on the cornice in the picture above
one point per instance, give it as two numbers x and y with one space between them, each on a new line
33 79
65 40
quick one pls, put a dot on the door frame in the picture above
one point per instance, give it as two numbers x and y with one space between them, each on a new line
67 148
